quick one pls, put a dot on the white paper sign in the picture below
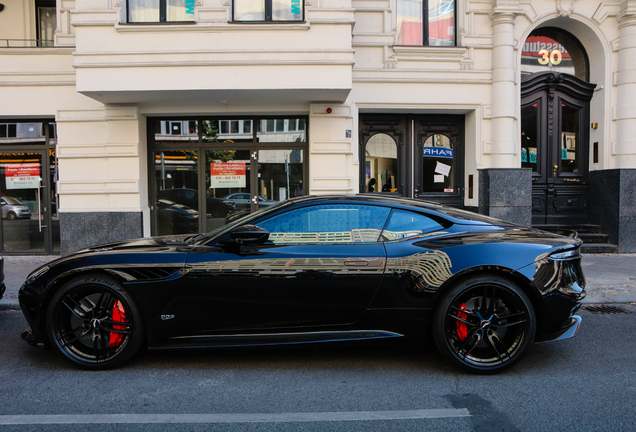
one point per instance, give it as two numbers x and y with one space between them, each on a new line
438 178
442 169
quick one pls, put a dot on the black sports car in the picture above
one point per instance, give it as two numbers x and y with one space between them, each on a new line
315 269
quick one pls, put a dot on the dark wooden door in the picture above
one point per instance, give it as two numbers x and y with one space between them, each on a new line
555 145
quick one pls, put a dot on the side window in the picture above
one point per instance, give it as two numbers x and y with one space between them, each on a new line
329 223
404 224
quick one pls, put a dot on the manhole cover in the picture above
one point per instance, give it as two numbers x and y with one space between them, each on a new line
602 309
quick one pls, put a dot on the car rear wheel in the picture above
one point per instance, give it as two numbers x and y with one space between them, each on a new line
11 216
94 323
484 324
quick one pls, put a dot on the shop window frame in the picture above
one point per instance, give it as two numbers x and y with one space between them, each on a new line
199 143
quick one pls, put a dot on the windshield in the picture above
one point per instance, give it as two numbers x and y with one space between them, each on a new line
12 201
240 221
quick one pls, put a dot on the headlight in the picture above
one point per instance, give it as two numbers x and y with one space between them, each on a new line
37 273
559 256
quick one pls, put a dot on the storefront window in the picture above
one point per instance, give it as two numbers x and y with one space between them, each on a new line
28 173
211 171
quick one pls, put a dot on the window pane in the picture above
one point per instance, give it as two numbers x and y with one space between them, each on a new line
331 223
176 131
287 10
529 131
48 24
409 22
569 139
143 10
180 10
437 165
381 163
249 10
441 22
177 202
279 130
280 175
405 224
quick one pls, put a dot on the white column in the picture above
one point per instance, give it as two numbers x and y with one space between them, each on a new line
626 94
504 98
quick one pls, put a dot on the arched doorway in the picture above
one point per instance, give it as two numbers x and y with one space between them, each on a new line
555 111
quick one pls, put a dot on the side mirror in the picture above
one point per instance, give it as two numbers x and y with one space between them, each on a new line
249 234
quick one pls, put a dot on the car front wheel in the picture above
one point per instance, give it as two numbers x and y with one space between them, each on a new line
94 323
484 324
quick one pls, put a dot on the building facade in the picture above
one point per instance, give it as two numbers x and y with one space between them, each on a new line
130 118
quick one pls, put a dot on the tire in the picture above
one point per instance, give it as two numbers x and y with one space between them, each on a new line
484 324
93 323
11 216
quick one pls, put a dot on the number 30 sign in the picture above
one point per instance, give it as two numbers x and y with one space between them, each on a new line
554 57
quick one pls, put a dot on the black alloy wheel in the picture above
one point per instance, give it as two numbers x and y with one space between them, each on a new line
484 324
93 323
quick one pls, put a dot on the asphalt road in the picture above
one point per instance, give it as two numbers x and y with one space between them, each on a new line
583 384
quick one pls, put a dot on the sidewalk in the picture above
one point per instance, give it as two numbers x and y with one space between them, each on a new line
611 278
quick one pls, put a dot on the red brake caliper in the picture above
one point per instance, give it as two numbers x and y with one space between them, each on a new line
462 328
119 315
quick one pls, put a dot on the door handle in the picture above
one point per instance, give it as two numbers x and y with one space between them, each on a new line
554 173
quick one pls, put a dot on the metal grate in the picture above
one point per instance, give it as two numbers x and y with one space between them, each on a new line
603 309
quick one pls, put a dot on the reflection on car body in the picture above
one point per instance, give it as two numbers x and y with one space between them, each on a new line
316 269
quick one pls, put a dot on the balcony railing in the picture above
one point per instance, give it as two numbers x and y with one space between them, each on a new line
27 43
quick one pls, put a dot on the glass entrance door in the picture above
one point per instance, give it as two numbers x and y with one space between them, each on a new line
24 202
280 176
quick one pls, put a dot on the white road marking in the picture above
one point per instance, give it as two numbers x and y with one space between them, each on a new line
229 418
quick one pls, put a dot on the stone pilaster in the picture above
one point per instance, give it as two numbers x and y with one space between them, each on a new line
626 94
613 205
504 96
506 193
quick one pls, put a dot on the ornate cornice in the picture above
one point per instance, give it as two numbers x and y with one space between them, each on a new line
565 7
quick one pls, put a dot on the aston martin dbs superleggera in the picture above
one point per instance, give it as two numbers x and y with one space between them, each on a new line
315 269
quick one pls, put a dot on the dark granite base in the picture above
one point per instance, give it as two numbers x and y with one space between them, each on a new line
80 230
613 205
506 193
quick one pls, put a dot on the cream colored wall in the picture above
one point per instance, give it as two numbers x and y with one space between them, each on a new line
17 21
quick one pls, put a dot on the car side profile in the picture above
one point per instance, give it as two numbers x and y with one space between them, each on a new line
316 269
13 208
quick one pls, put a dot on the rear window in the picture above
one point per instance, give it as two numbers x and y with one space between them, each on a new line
404 224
